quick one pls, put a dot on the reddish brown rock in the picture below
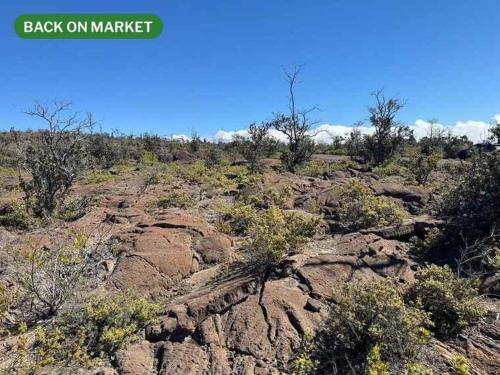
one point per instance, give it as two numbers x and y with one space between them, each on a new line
160 252
136 359
183 358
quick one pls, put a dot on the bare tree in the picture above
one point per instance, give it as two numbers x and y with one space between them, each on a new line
389 133
474 258
55 275
53 157
296 126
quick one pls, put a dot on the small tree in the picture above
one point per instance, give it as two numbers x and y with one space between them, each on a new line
389 133
257 145
296 126
354 141
434 139
53 157
495 132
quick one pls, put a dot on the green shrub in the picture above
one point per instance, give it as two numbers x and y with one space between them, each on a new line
413 368
371 325
96 330
269 197
7 172
452 302
74 210
108 323
461 366
4 301
274 233
149 159
235 219
221 176
303 364
258 144
374 363
177 199
421 166
16 217
471 208
97 177
421 247
320 168
392 167
151 169
359 208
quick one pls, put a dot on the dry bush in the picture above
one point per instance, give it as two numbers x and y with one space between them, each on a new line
53 277
54 157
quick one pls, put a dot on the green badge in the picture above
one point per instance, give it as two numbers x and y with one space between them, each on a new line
88 26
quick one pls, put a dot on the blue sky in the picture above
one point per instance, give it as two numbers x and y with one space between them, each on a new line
218 64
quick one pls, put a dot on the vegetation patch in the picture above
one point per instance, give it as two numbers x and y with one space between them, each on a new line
7 172
359 208
452 302
269 197
392 167
321 168
222 176
372 329
275 233
75 209
14 216
83 337
97 177
177 199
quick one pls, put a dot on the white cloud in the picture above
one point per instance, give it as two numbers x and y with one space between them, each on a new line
476 131
180 137
324 133
422 128
227 136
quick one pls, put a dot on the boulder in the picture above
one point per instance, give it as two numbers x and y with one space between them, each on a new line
162 251
136 359
406 193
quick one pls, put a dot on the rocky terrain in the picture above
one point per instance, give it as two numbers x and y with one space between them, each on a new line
219 312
